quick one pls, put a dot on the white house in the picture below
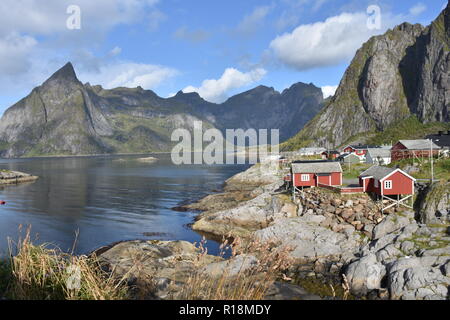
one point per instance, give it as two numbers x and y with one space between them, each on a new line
310 151
378 156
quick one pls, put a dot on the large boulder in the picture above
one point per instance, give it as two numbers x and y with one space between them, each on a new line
365 275
392 223
309 241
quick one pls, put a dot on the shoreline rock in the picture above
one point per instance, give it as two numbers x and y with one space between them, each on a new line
8 177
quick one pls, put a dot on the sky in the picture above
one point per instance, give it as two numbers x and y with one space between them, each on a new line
216 48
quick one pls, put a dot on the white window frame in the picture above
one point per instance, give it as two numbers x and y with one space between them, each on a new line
388 184
305 177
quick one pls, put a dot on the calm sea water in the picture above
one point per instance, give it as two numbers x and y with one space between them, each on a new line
106 200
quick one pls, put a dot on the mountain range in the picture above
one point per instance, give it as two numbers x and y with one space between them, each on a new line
397 82
66 117
397 86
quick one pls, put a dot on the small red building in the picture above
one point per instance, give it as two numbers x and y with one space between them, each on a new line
359 150
405 149
330 155
309 174
385 181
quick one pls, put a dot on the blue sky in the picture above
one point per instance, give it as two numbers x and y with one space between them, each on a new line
217 48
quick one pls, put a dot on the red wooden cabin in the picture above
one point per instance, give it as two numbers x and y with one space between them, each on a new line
405 149
310 174
359 150
385 181
330 155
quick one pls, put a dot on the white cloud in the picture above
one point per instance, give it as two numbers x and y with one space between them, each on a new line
35 41
14 54
328 91
325 43
251 22
417 9
215 90
31 16
129 74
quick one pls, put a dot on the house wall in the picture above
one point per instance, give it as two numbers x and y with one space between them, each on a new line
300 183
324 180
399 152
401 184
336 179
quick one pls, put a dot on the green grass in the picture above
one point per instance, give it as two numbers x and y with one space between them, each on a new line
409 128
441 168
355 170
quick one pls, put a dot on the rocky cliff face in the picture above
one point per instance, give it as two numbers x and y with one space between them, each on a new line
404 72
65 117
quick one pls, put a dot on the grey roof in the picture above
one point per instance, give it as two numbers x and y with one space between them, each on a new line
379 152
316 167
421 144
378 172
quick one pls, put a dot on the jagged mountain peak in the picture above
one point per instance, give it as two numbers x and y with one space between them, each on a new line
67 72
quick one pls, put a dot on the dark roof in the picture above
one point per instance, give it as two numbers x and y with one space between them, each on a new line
442 140
379 172
317 167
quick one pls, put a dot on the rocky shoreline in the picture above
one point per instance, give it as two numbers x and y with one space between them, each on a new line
343 239
15 177
397 255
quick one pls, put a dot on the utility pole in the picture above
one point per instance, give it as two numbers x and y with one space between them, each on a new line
431 156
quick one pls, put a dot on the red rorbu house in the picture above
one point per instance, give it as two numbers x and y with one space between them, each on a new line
359 150
388 182
405 149
330 155
312 174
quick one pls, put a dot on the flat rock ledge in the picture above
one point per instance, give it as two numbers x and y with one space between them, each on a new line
14 177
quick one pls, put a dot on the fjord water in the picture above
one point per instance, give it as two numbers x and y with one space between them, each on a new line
106 200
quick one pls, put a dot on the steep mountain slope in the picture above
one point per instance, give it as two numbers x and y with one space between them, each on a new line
65 117
400 74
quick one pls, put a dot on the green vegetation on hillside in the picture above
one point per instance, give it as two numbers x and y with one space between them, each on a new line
409 128
422 168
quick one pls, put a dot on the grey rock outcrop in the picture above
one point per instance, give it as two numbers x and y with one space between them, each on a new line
435 204
410 261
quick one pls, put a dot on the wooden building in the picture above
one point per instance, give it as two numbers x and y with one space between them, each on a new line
389 184
314 173
405 149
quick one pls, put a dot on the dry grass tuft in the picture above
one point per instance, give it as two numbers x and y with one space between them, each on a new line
251 283
44 273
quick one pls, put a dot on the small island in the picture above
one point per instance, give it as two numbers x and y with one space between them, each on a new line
15 177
